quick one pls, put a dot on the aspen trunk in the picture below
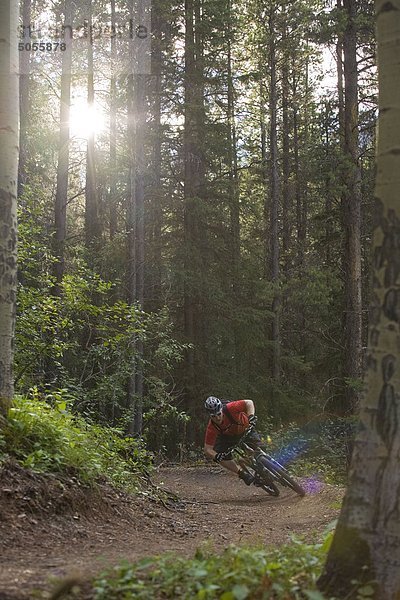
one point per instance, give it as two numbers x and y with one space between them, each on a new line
366 545
9 138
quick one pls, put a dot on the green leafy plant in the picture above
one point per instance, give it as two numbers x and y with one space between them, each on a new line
240 573
48 438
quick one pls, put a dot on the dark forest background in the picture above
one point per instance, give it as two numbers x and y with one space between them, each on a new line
208 232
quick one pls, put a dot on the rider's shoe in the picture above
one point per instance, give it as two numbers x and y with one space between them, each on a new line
257 481
248 478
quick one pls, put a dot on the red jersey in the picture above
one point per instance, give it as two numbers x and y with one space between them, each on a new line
238 411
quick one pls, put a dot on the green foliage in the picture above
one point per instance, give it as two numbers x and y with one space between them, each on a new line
84 339
164 424
289 572
49 438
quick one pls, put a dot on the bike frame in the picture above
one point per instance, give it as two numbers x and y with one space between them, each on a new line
265 466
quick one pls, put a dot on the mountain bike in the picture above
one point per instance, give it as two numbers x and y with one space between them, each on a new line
267 471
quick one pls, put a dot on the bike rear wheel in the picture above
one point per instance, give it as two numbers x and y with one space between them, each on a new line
281 475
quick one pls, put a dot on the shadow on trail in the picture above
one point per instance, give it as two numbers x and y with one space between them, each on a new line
252 500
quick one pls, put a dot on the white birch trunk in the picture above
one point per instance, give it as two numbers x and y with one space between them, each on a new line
366 546
9 142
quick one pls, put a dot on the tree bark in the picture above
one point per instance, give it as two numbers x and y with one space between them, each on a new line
153 299
60 208
190 187
135 233
274 205
366 545
9 138
297 175
131 246
193 190
234 191
339 70
328 189
92 224
113 133
351 207
140 96
286 184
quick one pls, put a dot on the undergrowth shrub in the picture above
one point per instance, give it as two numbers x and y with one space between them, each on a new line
287 573
49 438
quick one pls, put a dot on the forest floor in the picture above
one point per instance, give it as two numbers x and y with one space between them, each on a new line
50 530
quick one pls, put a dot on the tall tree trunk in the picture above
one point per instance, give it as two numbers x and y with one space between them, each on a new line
92 224
155 195
131 246
304 171
189 188
113 132
60 208
286 184
9 138
339 70
135 225
366 545
302 204
24 69
234 191
193 182
328 190
297 174
274 204
140 109
351 207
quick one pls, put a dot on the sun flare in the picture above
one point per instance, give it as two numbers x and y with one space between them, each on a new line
85 120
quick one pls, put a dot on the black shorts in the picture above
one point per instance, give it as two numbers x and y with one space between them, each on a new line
224 442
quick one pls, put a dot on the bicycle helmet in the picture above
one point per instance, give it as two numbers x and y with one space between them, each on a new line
213 405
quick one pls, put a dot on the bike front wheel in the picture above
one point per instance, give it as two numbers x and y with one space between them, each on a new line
281 475
264 479
267 484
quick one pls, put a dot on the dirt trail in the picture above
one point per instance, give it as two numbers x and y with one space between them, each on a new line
216 509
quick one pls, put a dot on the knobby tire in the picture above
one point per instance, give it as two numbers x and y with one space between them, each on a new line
267 484
283 477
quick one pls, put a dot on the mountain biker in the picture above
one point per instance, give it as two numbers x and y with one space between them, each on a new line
228 421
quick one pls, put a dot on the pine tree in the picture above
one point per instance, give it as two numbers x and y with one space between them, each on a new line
60 208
